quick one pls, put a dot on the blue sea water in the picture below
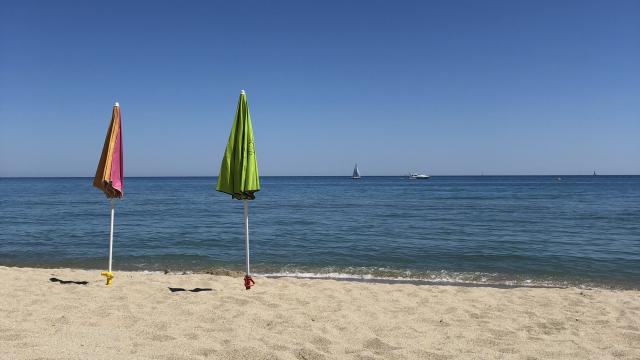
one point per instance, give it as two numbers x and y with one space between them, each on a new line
502 230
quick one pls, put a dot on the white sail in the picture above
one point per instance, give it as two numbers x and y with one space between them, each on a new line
356 172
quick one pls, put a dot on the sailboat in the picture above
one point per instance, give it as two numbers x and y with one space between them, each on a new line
356 173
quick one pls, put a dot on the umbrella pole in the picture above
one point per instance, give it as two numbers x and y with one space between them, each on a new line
113 213
248 281
109 274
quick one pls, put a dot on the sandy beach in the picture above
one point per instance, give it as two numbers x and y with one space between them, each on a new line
287 318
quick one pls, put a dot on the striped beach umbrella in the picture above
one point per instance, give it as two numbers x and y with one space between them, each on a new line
239 170
110 175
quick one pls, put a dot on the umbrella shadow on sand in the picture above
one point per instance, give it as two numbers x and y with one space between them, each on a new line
192 290
68 281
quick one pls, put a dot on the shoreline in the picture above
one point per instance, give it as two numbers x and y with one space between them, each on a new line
434 278
141 317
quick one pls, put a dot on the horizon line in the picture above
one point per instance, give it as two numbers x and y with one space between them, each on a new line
339 176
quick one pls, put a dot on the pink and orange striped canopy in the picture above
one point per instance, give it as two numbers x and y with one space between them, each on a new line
110 175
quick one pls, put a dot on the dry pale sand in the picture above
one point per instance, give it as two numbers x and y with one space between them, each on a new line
139 318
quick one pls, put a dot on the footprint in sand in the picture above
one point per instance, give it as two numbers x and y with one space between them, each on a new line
192 336
161 338
244 353
11 336
378 346
321 343
308 354
207 352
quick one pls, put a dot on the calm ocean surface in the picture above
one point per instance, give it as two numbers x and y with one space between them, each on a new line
519 230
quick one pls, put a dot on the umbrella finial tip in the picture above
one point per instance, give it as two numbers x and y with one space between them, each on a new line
116 104
242 91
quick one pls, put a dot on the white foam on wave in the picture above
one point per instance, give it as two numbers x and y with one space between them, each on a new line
442 277
390 275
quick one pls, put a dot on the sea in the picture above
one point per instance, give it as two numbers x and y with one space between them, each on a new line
555 231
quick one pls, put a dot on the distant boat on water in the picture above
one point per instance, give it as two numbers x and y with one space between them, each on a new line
356 173
415 176
594 174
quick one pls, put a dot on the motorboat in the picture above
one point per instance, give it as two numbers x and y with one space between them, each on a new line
414 176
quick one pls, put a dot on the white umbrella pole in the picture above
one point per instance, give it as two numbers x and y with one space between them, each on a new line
113 211
109 274
248 281
246 234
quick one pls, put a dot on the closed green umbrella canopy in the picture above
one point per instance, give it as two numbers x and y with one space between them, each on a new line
239 170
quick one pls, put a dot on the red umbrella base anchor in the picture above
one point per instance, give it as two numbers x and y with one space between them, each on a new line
248 282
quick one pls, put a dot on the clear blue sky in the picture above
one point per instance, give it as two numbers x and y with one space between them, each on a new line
442 87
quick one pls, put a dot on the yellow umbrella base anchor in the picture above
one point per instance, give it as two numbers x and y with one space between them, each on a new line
109 276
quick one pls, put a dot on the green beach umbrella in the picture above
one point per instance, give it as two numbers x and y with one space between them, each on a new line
239 170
